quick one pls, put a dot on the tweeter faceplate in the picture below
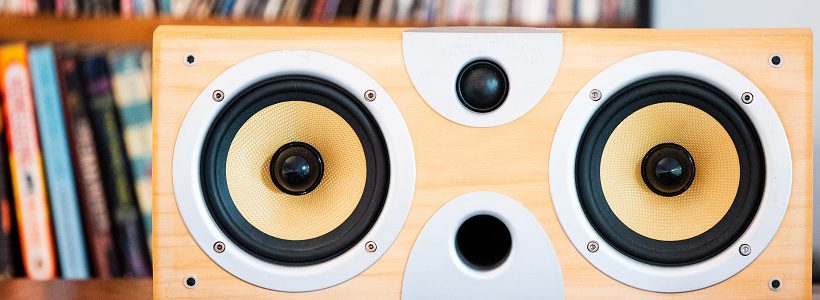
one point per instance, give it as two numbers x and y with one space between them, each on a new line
434 58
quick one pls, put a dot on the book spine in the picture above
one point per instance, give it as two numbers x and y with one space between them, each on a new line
84 158
65 209
134 106
26 165
115 169
8 238
225 8
126 10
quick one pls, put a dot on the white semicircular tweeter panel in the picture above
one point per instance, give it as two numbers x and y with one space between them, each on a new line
524 60
483 245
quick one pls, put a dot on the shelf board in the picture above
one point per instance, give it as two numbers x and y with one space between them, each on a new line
115 31
130 289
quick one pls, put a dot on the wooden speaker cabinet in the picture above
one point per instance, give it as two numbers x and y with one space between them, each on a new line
481 162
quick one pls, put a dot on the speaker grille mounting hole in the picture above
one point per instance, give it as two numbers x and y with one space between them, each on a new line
483 242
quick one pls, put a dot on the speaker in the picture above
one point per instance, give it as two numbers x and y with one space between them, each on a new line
471 162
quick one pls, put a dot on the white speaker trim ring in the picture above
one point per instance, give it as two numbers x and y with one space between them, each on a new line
776 193
203 228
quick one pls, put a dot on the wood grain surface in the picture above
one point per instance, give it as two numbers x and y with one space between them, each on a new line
25 289
477 157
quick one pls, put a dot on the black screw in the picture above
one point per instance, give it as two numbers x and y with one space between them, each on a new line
190 282
190 59
775 284
775 60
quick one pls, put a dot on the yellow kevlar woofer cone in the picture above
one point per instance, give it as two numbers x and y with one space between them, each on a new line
292 217
703 204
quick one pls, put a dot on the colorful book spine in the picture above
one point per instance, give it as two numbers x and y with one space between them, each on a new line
105 262
8 238
114 164
65 210
134 106
26 164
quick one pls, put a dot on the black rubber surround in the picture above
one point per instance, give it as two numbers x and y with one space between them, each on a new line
215 187
687 91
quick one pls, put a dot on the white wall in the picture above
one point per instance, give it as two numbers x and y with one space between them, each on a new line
752 13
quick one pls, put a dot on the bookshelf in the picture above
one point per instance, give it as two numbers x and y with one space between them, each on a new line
114 32
118 32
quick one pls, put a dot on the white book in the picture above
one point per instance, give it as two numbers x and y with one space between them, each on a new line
589 12
495 12
403 10
453 13
180 7
272 10
532 12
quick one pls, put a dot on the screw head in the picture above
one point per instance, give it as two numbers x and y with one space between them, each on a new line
595 95
745 249
775 284
747 97
592 246
775 60
370 95
218 95
370 246
219 247
190 281
189 59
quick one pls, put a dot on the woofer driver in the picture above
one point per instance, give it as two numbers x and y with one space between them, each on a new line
324 125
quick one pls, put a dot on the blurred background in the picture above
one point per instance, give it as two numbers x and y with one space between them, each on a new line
76 146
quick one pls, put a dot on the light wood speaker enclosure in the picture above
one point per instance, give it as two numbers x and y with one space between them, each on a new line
478 159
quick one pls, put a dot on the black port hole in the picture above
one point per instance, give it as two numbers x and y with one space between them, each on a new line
483 242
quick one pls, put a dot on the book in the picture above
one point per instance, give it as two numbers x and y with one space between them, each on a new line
494 12
564 12
26 165
587 12
65 211
117 183
93 202
8 223
225 8
272 10
133 102
126 9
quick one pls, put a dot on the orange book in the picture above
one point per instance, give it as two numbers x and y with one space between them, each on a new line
34 223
